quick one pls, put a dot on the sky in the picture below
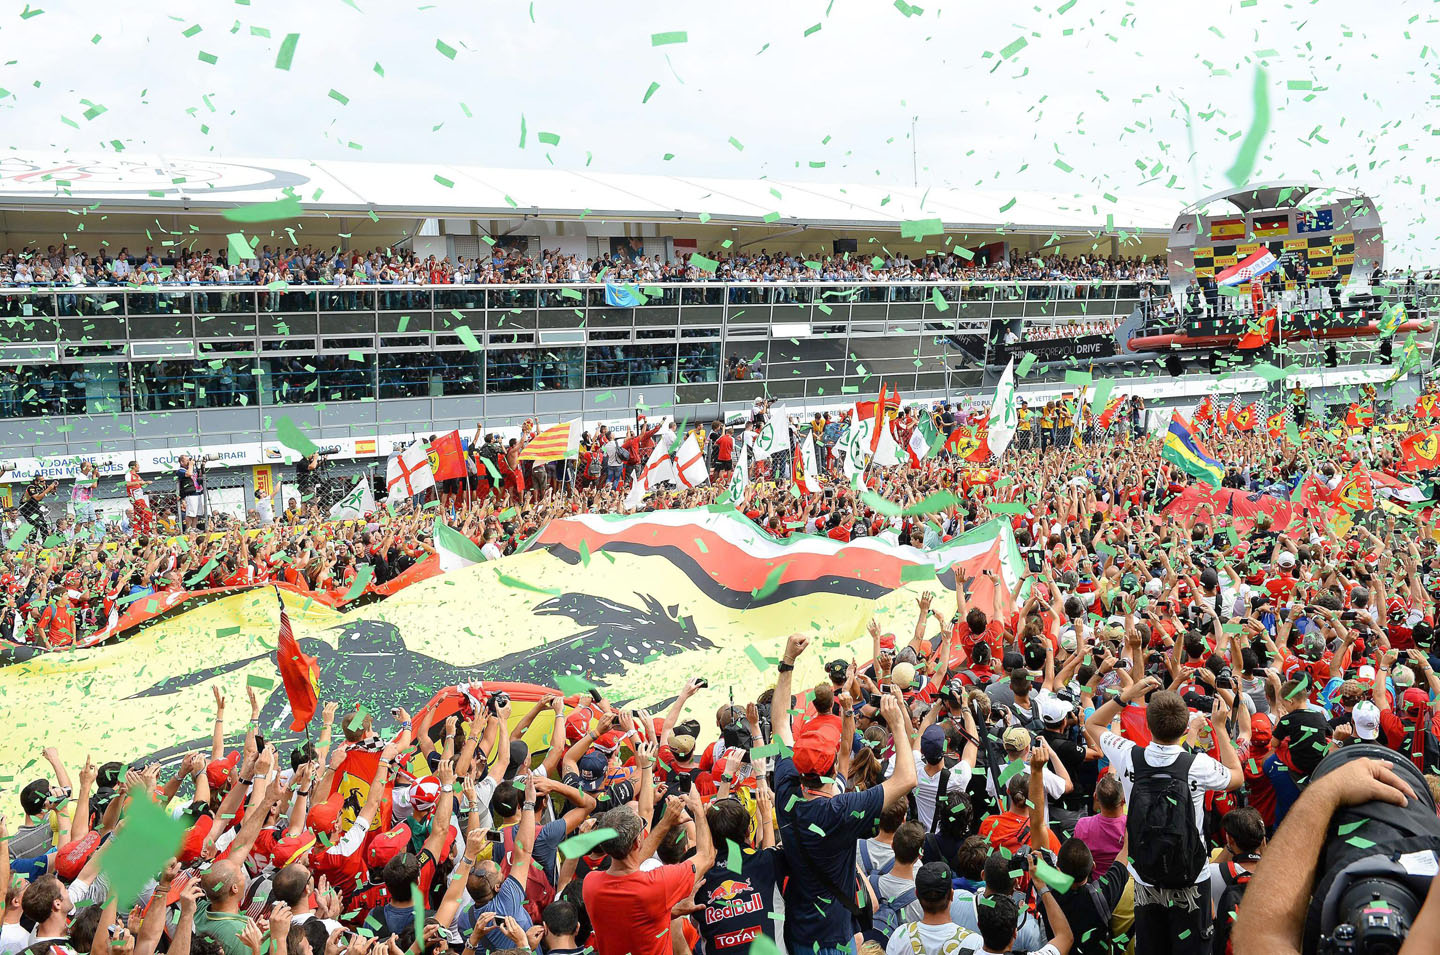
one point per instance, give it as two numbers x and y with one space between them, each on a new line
1151 98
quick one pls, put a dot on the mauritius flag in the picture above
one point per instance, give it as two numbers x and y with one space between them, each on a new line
1184 450
1252 266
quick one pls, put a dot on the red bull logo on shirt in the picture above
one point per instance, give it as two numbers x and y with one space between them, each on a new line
731 898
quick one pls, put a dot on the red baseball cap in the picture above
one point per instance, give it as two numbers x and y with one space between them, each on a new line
289 849
1260 729
609 742
1415 698
325 817
816 748
218 771
887 641
386 846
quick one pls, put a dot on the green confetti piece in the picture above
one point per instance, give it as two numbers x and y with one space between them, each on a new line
361 581
467 338
649 92
287 208
446 50
757 658
1010 50
340 97
260 682
1026 363
286 56
703 263
289 434
666 39
210 58
1239 173
140 849
577 846
771 584
240 248
447 183
931 504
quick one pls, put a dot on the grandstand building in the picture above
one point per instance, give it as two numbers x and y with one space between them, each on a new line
123 371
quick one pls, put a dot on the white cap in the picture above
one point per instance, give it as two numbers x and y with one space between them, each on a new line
1366 720
1053 709
1403 676
1067 639
1152 587
1366 672
1285 559
903 675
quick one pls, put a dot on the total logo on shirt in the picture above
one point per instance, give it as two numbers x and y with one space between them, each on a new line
742 937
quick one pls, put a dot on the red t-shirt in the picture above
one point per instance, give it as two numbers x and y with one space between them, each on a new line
724 447
631 913
1006 830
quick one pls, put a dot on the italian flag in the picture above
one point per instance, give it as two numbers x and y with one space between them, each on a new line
454 549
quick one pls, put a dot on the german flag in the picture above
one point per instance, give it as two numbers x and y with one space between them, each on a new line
555 443
1421 449
1271 225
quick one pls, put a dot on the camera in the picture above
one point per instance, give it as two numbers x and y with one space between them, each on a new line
497 702
1366 897
702 683
332 449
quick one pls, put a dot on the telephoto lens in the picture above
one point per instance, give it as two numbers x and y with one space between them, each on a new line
1369 890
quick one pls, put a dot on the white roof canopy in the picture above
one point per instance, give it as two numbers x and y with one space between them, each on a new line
128 182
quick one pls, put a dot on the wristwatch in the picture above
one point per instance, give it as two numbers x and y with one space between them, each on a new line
785 667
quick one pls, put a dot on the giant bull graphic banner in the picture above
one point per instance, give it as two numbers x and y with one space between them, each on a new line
631 603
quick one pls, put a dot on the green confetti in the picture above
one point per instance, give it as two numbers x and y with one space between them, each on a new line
146 840
446 50
665 39
287 208
577 846
1239 173
286 56
289 434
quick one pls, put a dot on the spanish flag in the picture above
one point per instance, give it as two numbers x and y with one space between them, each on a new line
1421 449
1184 450
555 443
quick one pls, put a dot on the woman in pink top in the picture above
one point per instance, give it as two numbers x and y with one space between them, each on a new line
1104 832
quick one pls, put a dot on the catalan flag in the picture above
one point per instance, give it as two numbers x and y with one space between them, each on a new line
555 443
1184 450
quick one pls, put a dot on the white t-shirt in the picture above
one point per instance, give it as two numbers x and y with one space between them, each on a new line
946 939
892 887
927 787
13 938
1213 872
1207 774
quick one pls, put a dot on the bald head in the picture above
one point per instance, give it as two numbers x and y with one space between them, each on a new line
224 885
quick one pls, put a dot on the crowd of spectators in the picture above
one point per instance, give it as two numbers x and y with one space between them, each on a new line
66 266
995 781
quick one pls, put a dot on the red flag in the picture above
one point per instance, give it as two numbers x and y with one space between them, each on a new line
1360 416
1275 424
968 445
300 673
879 420
1205 412
1425 406
1259 333
447 459
1246 418
1421 450
1355 493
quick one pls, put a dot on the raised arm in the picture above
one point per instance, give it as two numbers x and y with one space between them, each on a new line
783 699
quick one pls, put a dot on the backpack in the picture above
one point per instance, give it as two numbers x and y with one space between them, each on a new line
592 466
538 890
889 910
1227 907
1166 848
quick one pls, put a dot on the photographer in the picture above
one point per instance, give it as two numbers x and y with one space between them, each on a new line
1272 919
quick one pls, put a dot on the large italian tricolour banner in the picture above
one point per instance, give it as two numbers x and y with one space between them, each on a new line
634 604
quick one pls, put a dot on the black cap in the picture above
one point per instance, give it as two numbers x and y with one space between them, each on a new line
34 796
933 881
1012 661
